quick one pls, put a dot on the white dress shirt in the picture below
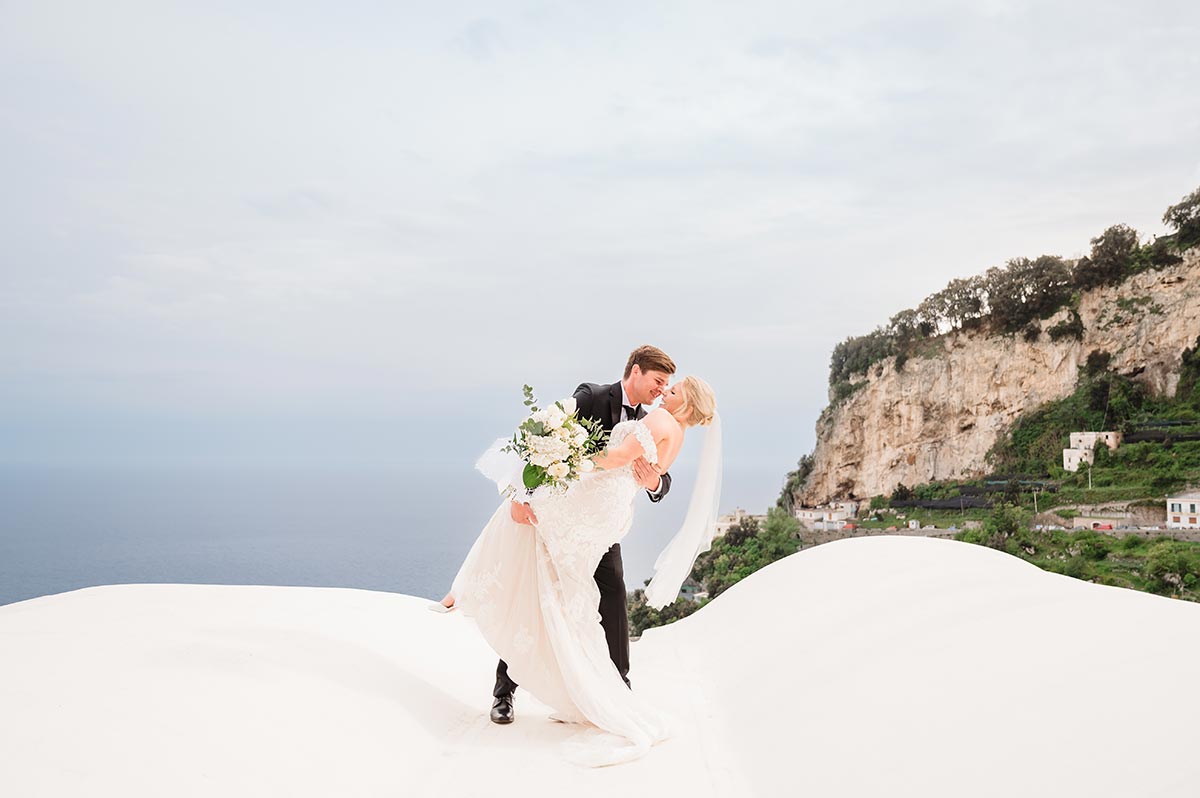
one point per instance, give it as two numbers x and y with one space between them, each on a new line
626 403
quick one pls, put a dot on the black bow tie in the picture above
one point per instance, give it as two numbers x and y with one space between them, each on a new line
630 413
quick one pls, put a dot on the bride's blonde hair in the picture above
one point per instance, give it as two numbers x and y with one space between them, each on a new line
699 402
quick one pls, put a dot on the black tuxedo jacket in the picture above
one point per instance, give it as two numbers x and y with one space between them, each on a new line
603 403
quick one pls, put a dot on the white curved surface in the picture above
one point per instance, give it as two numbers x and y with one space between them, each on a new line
867 667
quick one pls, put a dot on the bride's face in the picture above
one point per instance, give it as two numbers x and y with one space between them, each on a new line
672 398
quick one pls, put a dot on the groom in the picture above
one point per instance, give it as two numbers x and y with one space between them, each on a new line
646 375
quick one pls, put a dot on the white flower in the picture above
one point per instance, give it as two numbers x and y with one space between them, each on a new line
554 417
568 405
580 437
558 470
585 466
547 449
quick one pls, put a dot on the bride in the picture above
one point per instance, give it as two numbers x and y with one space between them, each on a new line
532 592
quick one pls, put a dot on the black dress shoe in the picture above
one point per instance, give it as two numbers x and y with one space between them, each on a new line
502 709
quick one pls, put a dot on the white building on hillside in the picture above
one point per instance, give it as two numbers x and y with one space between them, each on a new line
820 517
1073 458
1181 511
1089 440
726 521
1083 447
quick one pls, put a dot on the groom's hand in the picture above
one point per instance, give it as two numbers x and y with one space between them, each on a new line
522 513
645 474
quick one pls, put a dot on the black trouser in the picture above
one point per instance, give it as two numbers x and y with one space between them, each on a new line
610 578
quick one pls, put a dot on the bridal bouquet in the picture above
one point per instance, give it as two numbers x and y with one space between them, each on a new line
555 443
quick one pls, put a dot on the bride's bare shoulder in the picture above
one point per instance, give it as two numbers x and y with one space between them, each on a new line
662 423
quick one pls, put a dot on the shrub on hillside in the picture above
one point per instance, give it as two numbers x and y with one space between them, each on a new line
1070 327
1188 390
642 616
1169 567
745 549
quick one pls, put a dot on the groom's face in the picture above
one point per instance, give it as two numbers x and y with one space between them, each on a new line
646 386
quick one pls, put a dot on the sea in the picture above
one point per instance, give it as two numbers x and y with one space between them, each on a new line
405 531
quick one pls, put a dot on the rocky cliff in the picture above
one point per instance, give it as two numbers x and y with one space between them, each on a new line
938 416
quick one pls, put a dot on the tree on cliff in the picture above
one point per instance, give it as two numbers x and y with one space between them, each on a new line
856 354
1111 260
793 483
1185 218
1011 298
1026 290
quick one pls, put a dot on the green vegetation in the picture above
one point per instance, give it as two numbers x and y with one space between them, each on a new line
1070 327
1155 565
1111 260
744 549
1185 218
741 551
642 616
1015 298
792 484
1187 393
1127 309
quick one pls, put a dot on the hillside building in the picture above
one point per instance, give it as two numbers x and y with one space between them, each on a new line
830 515
1182 511
1083 447
726 521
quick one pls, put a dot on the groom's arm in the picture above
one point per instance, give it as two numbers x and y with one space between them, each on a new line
664 486
585 400
656 496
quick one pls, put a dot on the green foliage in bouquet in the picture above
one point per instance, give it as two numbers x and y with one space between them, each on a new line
555 443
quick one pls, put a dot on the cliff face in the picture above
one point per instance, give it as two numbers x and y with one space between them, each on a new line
938 417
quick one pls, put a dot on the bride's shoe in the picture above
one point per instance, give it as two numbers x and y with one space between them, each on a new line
440 606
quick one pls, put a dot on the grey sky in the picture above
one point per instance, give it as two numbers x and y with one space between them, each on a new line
312 233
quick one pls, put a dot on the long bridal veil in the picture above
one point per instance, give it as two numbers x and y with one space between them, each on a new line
699 526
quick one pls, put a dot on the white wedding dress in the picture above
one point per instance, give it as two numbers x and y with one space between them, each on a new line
533 594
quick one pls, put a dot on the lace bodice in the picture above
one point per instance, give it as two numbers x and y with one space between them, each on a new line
579 524
639 429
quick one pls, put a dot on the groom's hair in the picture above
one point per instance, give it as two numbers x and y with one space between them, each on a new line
649 358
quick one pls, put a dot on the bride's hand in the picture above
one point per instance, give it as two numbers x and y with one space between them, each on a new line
646 475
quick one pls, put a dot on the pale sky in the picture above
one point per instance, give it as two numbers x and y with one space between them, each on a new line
348 232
